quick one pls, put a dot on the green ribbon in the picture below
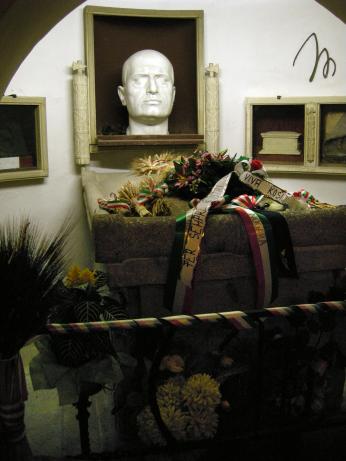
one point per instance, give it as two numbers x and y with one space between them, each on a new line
175 261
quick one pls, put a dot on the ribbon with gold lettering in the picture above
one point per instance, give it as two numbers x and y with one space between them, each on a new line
267 188
195 221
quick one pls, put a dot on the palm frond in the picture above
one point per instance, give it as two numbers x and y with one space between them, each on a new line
31 264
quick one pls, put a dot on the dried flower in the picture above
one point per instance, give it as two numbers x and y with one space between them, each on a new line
160 207
128 191
158 164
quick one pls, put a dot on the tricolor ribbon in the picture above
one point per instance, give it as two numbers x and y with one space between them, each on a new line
260 238
113 205
247 201
306 197
147 195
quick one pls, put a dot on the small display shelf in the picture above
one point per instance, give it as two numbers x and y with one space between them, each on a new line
298 135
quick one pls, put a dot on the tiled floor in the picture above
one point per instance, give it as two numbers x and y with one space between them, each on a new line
53 434
53 430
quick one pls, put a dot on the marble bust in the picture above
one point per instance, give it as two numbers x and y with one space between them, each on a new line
148 92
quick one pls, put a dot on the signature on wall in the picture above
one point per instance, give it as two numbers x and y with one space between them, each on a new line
318 54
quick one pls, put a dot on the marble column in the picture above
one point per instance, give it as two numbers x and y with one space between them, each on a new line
80 114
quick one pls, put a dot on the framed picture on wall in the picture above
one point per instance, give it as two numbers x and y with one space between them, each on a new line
23 139
114 34
298 135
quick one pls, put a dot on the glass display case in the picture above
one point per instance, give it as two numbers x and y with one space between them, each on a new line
298 135
23 141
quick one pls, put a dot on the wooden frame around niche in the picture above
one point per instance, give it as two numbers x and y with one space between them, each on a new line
113 34
308 116
23 138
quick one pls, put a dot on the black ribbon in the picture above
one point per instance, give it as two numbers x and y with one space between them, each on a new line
284 253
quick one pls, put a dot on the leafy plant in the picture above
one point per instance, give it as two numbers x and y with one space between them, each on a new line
84 297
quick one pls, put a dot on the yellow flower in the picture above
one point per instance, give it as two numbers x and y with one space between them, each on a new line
87 276
72 277
169 394
77 276
201 391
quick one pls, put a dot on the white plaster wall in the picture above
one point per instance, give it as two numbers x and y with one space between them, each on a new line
253 41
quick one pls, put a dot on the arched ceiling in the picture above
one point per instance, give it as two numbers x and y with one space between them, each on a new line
337 7
24 22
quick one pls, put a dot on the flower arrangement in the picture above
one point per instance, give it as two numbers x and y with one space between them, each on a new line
195 176
84 297
187 407
187 177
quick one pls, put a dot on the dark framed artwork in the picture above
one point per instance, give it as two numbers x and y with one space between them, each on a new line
23 139
111 36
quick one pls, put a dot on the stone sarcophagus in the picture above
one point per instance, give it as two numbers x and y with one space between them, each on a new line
137 251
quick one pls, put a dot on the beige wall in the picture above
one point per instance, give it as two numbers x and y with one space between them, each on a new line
253 41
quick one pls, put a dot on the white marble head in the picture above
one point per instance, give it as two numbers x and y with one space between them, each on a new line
148 92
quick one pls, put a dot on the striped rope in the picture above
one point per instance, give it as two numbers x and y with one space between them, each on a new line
239 319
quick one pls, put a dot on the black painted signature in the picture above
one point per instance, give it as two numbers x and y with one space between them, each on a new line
318 55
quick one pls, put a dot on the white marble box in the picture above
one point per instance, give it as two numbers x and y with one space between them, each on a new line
280 142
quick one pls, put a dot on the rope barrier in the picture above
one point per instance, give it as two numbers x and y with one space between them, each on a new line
239 319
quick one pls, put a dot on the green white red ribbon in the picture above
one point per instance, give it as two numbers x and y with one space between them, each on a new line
113 205
247 201
147 195
258 241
